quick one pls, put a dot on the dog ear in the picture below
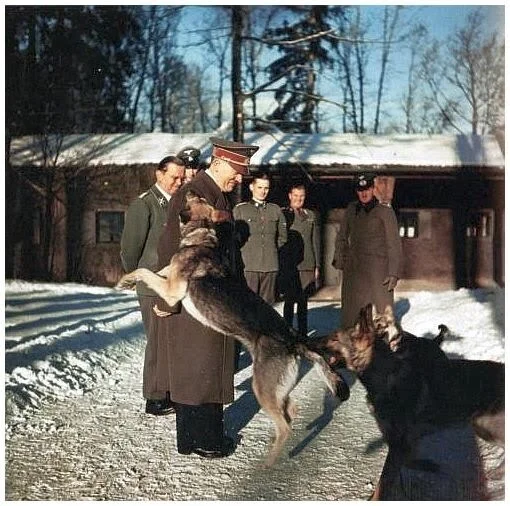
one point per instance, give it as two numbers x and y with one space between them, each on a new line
191 196
388 312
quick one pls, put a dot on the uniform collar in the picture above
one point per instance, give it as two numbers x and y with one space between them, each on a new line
366 207
163 192
258 203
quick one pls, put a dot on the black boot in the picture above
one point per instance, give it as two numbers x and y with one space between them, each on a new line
160 407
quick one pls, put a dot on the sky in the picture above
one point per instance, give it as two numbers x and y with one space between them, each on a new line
441 20
74 422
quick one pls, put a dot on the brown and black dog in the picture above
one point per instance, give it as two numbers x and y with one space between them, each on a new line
197 278
423 403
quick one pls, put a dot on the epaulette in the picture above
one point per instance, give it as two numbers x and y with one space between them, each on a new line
241 204
386 204
144 194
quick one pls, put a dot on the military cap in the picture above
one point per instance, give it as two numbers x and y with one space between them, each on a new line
236 154
190 156
364 181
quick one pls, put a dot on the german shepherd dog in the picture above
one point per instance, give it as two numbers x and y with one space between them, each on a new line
423 403
471 389
196 277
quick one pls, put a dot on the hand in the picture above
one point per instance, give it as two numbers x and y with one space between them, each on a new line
159 312
391 281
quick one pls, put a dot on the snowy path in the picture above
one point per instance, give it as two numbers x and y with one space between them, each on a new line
101 446
75 427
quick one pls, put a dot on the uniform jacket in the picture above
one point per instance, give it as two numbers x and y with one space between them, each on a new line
367 249
145 219
261 231
201 361
302 252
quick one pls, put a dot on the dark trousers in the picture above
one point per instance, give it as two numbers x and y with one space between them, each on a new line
199 427
302 289
302 312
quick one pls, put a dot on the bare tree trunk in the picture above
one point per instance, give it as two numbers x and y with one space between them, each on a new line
388 35
237 95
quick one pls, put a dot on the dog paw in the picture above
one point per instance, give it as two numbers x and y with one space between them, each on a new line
125 284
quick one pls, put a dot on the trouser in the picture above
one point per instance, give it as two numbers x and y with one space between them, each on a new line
156 380
299 296
199 426
302 312
263 284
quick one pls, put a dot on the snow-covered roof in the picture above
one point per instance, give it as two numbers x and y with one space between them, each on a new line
335 151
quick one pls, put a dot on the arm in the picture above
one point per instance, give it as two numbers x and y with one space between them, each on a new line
282 229
393 244
316 244
342 241
134 235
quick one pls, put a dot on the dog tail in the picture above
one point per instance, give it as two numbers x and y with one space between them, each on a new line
333 380
444 333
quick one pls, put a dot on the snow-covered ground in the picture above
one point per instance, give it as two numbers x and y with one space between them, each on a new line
75 427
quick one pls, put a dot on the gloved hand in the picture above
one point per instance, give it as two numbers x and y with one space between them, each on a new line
391 282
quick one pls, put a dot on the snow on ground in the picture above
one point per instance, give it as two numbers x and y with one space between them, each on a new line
75 427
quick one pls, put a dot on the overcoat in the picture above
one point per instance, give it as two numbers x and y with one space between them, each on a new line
201 361
368 249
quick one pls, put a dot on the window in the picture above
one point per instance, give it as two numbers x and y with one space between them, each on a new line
479 225
408 225
109 225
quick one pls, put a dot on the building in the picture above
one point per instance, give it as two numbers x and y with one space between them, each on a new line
447 191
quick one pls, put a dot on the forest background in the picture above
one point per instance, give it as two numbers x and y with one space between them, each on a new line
294 68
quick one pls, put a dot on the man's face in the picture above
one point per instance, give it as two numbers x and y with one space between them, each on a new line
366 195
171 179
227 177
190 174
297 198
259 189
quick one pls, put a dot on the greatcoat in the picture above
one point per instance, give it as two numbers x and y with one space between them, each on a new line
368 250
201 361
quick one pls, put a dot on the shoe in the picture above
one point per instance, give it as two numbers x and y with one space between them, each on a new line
227 449
159 407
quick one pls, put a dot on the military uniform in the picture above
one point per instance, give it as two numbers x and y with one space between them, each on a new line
145 220
262 231
201 359
368 250
300 258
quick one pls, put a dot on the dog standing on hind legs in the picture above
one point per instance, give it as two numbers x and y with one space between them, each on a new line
197 278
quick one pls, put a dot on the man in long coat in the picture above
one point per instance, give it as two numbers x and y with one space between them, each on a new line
368 250
145 219
202 360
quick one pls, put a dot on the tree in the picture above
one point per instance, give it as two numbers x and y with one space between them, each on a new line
351 64
465 78
476 70
417 40
390 23
303 55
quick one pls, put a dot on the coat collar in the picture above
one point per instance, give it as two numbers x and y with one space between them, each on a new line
366 207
